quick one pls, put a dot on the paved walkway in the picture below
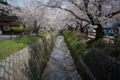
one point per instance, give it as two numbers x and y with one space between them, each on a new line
90 36
60 65
7 37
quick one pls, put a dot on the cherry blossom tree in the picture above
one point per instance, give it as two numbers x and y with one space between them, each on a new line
94 12
27 11
34 13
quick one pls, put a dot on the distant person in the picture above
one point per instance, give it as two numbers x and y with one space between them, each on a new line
22 34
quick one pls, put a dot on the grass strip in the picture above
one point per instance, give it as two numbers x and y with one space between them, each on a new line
12 46
75 43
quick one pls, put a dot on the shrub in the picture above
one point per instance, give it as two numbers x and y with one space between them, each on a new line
99 43
116 49
27 30
117 41
16 29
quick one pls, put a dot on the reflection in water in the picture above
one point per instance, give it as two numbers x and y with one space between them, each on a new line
60 65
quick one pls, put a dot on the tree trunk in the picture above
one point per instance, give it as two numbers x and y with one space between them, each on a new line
11 35
71 29
36 31
35 22
99 33
76 28
81 29
68 28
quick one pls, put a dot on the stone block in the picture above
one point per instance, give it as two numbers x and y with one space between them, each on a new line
11 57
17 59
21 63
14 67
18 71
2 62
119 70
113 61
21 57
107 60
21 69
18 53
7 67
8 59
6 76
17 65
11 77
10 71
11 63
21 51
1 72
15 56
15 76
110 63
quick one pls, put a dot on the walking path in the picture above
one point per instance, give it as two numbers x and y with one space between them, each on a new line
7 37
60 65
90 36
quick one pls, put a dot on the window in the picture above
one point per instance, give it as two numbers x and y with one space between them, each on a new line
6 28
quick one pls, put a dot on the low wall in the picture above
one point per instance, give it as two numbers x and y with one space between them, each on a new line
102 67
28 63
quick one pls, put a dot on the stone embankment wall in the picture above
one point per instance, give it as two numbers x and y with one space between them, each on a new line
102 67
28 63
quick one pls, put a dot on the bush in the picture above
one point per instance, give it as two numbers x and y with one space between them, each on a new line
116 49
16 29
99 43
27 30
117 41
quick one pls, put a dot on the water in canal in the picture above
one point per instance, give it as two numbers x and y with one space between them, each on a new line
60 65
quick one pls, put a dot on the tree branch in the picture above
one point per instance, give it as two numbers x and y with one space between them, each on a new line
86 25
110 15
76 5
70 12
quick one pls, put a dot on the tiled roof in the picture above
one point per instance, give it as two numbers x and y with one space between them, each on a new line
3 2
5 16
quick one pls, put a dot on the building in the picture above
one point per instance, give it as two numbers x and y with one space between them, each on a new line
6 22
3 1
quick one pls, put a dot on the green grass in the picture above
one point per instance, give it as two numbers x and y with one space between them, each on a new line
12 46
76 45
